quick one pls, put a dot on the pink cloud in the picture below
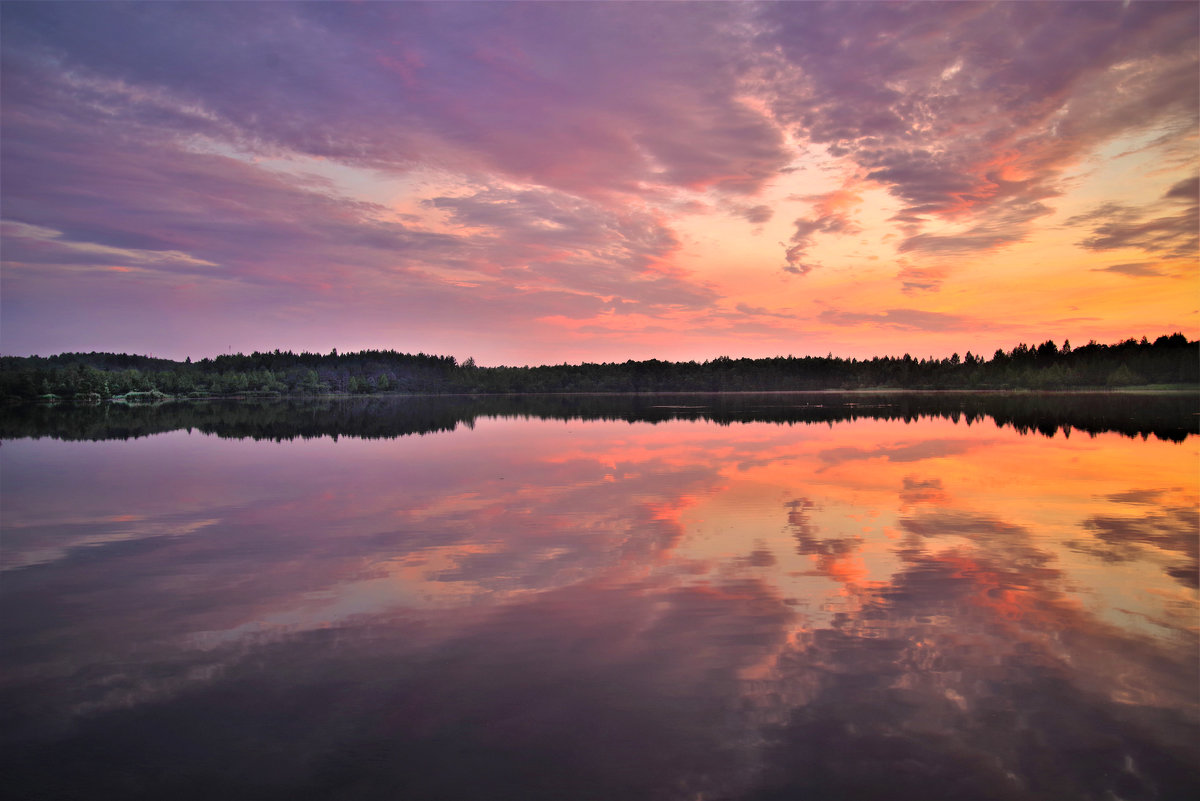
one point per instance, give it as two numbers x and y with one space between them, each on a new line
831 215
904 319
972 112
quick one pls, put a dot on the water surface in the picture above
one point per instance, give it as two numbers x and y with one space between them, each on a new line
663 598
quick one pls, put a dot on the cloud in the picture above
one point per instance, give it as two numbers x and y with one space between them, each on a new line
1134 269
794 265
88 195
917 491
759 557
170 157
972 113
803 529
1188 190
997 226
921 279
96 181
755 214
903 319
1008 541
904 452
1139 497
745 309
547 239
1168 528
524 92
858 688
1161 228
834 555
831 215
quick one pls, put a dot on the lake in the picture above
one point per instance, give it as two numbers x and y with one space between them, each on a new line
812 596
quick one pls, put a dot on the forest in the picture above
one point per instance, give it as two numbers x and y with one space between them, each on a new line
1170 360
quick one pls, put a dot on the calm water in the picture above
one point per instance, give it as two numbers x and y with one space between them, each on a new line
674 598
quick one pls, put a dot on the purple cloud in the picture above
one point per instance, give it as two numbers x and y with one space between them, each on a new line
583 98
905 452
996 226
562 240
1169 227
1188 189
920 279
831 216
755 214
1133 269
904 319
122 210
133 137
970 111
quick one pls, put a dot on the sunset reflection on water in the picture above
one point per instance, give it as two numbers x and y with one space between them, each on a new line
558 608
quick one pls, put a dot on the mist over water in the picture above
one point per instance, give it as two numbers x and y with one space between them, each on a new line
663 598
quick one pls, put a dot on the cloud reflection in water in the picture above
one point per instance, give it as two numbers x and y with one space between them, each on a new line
601 610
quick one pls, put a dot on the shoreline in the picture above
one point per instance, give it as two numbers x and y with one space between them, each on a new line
155 399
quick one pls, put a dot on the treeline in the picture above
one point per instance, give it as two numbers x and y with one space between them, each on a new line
1168 360
1167 416
100 376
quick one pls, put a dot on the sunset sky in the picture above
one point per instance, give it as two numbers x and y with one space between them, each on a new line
529 183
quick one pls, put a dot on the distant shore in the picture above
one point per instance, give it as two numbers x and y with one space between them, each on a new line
1170 363
148 399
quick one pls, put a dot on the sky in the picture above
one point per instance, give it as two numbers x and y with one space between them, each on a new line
538 183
